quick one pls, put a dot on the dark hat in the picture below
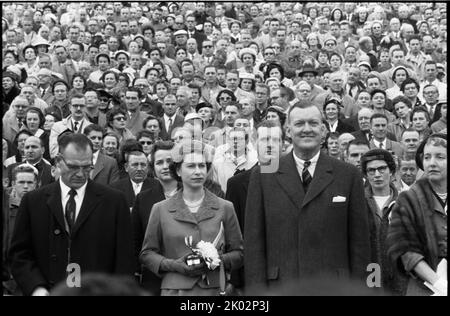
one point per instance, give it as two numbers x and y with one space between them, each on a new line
419 153
54 113
378 154
203 105
11 75
307 69
104 93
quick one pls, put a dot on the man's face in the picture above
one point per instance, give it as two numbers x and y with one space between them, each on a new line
28 93
91 99
379 128
77 107
261 95
132 101
336 83
221 75
96 139
75 166
306 128
188 72
182 98
430 72
33 150
408 171
269 145
237 142
354 154
190 22
25 182
373 83
398 58
74 34
210 74
27 26
353 76
232 81
431 95
61 54
75 52
137 168
134 28
350 54
414 46
231 114
378 180
248 108
170 106
419 121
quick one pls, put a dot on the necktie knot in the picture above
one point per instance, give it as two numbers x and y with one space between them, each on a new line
381 145
75 127
72 193
307 164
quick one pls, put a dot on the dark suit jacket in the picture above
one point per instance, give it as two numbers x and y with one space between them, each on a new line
177 122
126 187
101 240
105 170
341 127
391 146
290 235
139 217
199 38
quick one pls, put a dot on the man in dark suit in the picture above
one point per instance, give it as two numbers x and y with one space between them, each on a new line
105 169
379 123
193 33
136 165
307 219
71 224
170 119
34 151
135 117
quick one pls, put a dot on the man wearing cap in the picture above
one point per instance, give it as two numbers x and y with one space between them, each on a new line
181 37
45 77
309 74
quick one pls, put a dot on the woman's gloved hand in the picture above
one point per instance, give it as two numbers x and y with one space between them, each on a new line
179 265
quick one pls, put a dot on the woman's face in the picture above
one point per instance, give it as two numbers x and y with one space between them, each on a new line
193 171
152 77
275 73
30 54
153 126
313 41
247 59
379 101
224 100
411 90
206 114
7 83
364 99
45 33
181 54
154 56
364 72
119 121
49 121
333 146
147 144
402 110
273 116
103 63
103 49
335 62
78 83
163 158
337 15
331 112
32 121
273 85
60 92
161 91
246 84
9 60
435 162
110 81
21 141
400 76
384 57
110 145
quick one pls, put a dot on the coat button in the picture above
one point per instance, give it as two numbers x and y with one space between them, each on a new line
57 232
54 257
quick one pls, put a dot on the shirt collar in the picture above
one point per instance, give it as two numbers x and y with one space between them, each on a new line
301 162
65 189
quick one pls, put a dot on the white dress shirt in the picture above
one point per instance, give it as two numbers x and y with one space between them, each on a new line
95 157
78 198
166 120
377 143
333 126
300 163
137 187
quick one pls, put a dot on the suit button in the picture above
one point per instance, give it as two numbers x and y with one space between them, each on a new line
57 232
54 257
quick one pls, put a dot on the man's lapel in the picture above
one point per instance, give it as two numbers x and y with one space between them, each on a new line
99 165
90 201
323 176
55 205
289 179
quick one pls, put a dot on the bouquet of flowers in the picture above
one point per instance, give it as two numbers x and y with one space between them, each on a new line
207 251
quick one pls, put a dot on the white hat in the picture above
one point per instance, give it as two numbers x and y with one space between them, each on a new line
191 116
180 32
246 75
247 50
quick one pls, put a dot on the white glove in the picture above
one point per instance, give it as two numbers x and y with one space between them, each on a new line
441 286
40 291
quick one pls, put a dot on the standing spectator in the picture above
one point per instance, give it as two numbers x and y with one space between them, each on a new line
72 227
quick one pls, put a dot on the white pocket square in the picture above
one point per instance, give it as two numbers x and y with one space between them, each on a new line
338 199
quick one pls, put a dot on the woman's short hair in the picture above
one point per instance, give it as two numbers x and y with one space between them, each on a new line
226 91
437 139
409 80
375 91
110 115
102 78
377 154
78 75
186 147
150 118
274 66
401 98
159 145
59 82
38 111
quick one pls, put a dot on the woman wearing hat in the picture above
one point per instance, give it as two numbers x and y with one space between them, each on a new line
399 75
275 70
417 234
10 89
104 63
248 58
206 112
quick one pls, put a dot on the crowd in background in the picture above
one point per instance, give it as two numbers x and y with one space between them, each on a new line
139 79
